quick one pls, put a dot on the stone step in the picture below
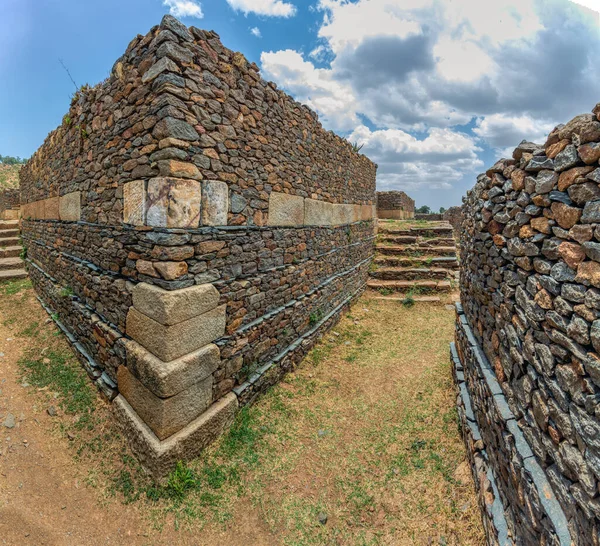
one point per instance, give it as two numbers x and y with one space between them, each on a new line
447 262
398 239
416 299
8 241
10 263
415 287
9 224
411 273
397 250
12 274
440 241
10 251
433 231
9 233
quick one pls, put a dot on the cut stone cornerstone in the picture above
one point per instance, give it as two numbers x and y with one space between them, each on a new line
186 224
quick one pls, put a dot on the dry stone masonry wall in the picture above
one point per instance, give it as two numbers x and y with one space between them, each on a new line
195 230
395 205
528 338
10 204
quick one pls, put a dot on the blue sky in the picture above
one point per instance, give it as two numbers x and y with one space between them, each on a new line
434 90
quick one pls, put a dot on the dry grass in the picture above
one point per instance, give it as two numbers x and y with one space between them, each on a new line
365 431
9 176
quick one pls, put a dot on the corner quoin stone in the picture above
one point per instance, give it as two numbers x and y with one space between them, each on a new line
166 379
172 342
173 203
165 416
170 307
158 457
286 210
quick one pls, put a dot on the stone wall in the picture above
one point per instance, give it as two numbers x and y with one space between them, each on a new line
454 217
195 230
10 203
395 205
528 332
429 217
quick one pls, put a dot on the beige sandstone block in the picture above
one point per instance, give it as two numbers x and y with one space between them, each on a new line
356 213
342 214
51 208
365 212
158 457
70 207
286 210
317 213
215 203
166 379
173 203
11 214
134 203
172 342
170 307
165 416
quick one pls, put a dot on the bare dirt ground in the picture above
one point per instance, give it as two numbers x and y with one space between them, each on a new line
358 446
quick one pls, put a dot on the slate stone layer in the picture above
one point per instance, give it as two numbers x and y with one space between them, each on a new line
185 169
529 337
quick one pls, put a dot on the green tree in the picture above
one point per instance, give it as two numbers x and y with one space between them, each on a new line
442 210
424 210
9 160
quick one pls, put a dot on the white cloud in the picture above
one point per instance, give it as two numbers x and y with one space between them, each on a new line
504 132
442 158
272 8
184 8
255 31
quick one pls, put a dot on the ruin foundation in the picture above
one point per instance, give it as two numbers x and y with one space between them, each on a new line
395 205
195 230
527 348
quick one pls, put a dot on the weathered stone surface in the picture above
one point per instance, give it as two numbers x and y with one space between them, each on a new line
70 207
167 379
165 416
159 457
163 65
134 203
215 203
566 159
590 153
172 342
286 210
171 270
319 213
173 203
52 208
172 168
588 273
591 213
573 254
171 307
394 204
174 128
569 177
585 127
565 215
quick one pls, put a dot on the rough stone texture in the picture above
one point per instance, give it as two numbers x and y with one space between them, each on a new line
454 217
165 416
160 457
69 207
10 203
176 158
528 339
395 204
286 210
171 342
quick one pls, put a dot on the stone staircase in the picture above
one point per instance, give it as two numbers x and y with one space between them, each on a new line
416 261
11 265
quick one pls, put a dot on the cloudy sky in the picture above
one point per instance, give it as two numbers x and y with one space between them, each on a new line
434 90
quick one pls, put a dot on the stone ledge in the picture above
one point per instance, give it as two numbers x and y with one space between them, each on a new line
172 342
531 471
159 457
166 379
169 307
165 416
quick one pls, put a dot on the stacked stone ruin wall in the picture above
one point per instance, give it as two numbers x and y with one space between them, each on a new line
395 205
9 199
528 335
186 169
454 217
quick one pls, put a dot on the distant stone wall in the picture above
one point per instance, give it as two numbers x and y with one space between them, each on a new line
528 332
395 205
9 203
453 216
196 230
429 217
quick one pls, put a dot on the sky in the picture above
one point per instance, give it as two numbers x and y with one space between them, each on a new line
434 90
